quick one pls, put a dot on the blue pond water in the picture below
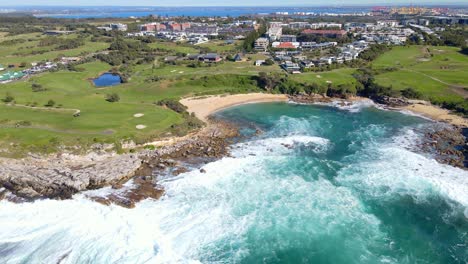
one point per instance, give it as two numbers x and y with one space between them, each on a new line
107 79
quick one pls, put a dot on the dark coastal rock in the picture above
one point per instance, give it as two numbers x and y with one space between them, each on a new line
310 99
144 188
391 101
450 146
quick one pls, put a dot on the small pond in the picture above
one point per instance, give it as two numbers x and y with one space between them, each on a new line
107 79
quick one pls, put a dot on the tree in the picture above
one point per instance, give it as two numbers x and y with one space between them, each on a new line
23 64
50 103
112 98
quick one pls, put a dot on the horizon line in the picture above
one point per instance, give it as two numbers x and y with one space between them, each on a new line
237 6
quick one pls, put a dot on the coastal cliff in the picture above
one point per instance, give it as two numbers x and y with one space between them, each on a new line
63 175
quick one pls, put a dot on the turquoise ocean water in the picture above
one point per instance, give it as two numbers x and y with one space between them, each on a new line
320 184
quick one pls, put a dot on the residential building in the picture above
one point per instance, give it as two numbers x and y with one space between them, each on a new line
274 33
314 45
325 25
388 23
118 26
288 38
291 67
285 45
299 25
261 44
325 32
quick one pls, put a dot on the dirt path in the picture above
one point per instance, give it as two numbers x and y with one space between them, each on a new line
45 108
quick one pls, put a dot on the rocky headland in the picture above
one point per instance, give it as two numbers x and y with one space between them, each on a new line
63 175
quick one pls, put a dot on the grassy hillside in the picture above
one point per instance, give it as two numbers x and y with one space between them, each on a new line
435 71
335 77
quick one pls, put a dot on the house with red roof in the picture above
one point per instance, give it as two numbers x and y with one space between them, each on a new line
285 45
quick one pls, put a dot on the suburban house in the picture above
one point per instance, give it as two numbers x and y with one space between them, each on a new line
291 67
307 64
210 58
259 62
326 60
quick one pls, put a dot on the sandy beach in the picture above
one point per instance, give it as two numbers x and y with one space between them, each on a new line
203 107
436 113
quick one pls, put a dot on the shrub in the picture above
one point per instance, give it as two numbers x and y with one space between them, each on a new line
269 62
37 88
113 97
50 103
8 98
411 93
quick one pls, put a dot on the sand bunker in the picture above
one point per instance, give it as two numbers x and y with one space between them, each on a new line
138 115
140 127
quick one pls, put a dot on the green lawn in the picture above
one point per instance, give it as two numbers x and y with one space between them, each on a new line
174 47
437 72
443 63
23 52
99 119
336 77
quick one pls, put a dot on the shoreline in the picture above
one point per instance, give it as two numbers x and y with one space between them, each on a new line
205 106
435 113
61 175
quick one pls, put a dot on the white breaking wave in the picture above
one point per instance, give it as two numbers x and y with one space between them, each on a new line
255 202
279 145
198 211
389 171
352 106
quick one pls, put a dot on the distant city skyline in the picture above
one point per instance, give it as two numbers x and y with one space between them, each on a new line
226 3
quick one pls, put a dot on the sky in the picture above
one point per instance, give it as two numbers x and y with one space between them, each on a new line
221 3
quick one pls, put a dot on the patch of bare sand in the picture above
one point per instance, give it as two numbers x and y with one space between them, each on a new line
205 106
437 113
